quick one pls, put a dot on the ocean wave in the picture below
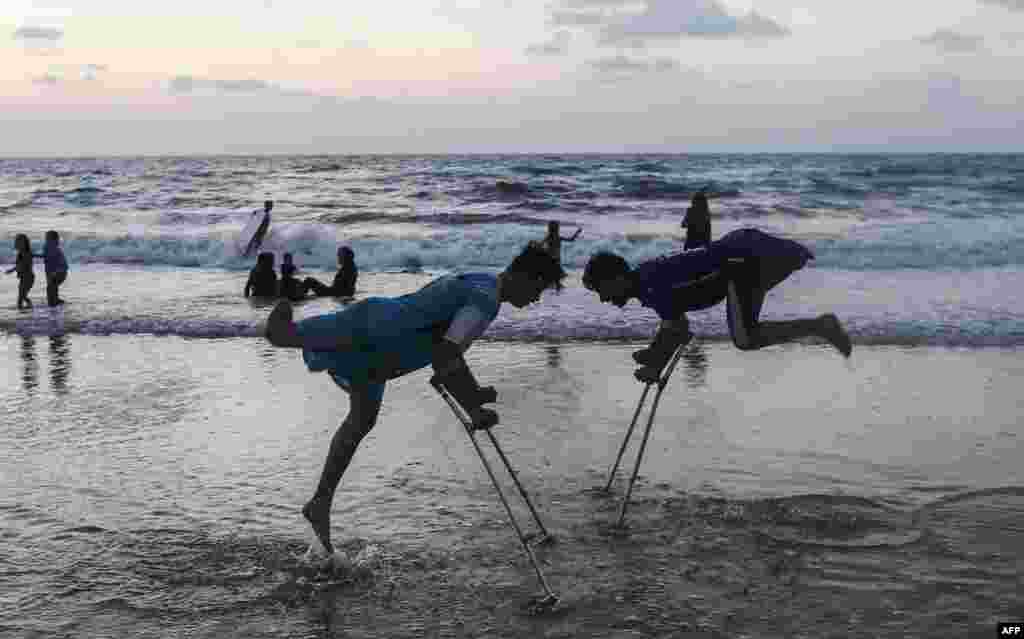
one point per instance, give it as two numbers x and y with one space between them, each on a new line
571 327
455 240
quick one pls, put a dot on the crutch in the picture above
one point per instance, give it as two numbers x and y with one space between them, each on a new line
549 599
662 381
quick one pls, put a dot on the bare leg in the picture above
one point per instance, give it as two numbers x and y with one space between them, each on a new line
280 327
360 420
826 327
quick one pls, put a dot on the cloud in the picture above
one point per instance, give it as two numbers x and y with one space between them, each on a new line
1012 5
621 64
949 41
39 40
38 35
191 84
557 45
619 22
91 71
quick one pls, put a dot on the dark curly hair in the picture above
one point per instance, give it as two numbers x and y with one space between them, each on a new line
537 262
604 266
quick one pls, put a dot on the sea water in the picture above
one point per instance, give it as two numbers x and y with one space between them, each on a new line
156 450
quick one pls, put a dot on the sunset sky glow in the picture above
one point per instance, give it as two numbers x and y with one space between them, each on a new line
97 77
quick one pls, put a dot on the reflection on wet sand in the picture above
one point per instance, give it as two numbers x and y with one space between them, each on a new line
60 363
554 356
30 372
695 359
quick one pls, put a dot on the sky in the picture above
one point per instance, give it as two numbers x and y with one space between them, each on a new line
112 77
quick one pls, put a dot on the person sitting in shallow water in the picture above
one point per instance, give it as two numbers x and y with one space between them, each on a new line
344 284
381 338
262 280
740 268
290 287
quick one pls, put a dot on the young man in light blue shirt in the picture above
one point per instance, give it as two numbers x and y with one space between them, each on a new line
381 338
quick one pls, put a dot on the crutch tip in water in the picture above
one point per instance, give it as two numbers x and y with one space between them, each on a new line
739 269
365 345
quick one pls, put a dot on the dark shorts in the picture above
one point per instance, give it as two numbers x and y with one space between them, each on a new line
748 283
382 343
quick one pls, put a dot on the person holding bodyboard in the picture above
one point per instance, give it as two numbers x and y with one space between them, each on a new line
382 338
740 268
255 229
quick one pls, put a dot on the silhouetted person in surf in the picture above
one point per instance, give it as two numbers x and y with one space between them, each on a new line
261 232
262 280
23 267
697 222
344 284
554 239
290 288
56 266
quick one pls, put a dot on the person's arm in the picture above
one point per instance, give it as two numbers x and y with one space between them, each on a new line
453 373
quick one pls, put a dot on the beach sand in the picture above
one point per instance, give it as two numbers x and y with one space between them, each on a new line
150 487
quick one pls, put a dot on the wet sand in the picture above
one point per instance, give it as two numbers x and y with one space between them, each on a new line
150 488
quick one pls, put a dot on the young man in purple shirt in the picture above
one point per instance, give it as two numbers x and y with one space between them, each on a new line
740 268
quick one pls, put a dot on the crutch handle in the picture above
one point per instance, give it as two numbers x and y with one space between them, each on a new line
647 375
483 418
487 395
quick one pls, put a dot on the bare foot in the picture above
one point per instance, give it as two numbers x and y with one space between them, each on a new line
318 513
280 328
836 334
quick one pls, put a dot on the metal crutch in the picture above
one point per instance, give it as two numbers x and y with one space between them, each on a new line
662 381
550 598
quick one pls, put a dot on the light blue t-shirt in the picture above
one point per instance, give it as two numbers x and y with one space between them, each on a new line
459 307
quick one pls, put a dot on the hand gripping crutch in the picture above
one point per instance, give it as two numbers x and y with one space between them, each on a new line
662 381
549 598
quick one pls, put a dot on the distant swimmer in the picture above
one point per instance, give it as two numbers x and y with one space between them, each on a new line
262 280
740 267
253 243
697 222
344 284
382 338
554 239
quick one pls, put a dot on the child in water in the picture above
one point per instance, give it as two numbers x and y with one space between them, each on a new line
23 267
291 288
56 266
262 280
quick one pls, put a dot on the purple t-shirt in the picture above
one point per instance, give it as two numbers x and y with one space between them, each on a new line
659 279
53 259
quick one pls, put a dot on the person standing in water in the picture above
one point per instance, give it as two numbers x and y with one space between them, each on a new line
740 267
23 267
697 222
344 284
554 239
56 266
261 231
380 338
